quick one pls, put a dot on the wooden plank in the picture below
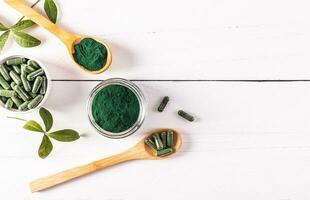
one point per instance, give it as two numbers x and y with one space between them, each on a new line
184 40
250 141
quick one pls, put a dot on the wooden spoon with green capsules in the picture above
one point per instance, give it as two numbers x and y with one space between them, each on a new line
69 39
140 151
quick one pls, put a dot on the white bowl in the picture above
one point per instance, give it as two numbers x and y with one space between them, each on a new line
48 89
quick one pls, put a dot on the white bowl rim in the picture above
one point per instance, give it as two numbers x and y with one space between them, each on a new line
48 89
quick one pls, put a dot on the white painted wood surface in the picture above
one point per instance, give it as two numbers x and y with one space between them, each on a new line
251 139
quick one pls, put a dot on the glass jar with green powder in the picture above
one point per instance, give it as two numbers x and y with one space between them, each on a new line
116 108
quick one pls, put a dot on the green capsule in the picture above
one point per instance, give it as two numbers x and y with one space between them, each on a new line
8 68
12 84
22 93
33 95
3 100
163 136
26 83
164 152
3 83
30 68
16 69
170 138
34 74
44 86
33 64
186 115
16 101
5 73
150 143
25 69
15 61
15 78
7 93
163 104
34 102
9 104
37 84
23 106
158 142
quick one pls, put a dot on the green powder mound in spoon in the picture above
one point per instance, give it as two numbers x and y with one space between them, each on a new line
115 108
90 54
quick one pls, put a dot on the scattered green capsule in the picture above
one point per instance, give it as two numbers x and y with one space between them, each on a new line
163 104
164 152
9 104
158 142
186 115
34 102
3 83
26 83
16 69
150 143
37 84
22 93
23 106
15 78
15 61
5 73
7 93
16 101
163 136
33 64
170 138
34 74
44 86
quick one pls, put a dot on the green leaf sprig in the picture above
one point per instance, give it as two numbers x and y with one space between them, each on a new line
46 146
18 29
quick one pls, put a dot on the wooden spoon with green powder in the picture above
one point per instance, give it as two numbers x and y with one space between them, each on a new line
140 151
89 54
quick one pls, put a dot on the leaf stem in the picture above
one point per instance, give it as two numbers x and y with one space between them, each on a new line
17 118
33 5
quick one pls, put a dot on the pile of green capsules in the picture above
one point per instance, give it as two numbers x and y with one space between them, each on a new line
23 84
162 143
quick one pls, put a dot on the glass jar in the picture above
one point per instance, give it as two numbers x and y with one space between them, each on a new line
141 99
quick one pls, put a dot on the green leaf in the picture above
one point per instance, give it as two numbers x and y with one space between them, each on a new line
2 27
65 135
25 40
47 118
3 38
45 148
22 25
33 126
51 10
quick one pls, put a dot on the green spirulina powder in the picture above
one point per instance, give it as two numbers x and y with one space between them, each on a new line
115 108
90 54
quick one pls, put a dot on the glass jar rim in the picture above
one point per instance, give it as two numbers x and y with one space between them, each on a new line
141 99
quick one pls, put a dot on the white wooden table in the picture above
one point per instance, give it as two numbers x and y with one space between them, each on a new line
251 139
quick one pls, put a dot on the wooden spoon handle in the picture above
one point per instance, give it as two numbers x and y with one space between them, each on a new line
24 9
61 177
